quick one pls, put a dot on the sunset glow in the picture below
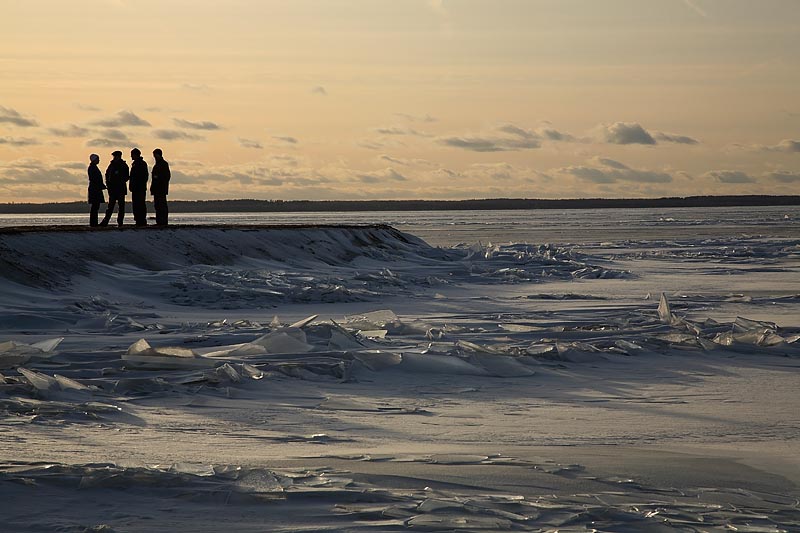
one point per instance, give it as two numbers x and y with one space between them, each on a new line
375 99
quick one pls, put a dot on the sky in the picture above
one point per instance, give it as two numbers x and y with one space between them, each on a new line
404 99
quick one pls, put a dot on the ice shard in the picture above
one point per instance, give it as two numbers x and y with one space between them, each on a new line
665 310
141 354
285 340
14 353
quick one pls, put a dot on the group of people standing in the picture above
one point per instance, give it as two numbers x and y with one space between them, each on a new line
119 178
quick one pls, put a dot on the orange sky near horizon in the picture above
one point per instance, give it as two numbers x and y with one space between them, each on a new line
377 99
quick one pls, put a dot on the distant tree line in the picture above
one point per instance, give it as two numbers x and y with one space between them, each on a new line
288 206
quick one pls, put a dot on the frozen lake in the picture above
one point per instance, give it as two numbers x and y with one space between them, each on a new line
447 228
356 378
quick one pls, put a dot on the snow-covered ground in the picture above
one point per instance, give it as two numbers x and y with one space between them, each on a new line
355 378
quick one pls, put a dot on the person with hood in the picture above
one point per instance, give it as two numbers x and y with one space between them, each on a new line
117 175
138 186
159 187
96 188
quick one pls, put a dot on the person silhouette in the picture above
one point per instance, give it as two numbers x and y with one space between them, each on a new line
117 175
138 186
159 187
96 188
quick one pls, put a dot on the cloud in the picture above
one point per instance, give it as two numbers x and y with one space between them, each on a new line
201 125
277 176
371 145
788 146
393 130
382 176
673 138
784 176
495 171
117 135
250 143
729 176
176 135
75 165
195 87
513 138
626 133
102 142
406 162
285 138
12 116
319 90
109 138
635 133
19 141
611 163
605 171
122 118
86 107
71 130
33 171
554 135
415 118
284 159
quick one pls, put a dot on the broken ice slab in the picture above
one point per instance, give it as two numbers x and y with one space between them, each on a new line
141 354
341 339
285 340
374 320
373 333
40 382
742 325
302 323
233 350
14 353
47 386
377 360
665 310
756 337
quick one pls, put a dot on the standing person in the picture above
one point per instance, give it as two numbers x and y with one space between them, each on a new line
138 185
96 188
159 187
117 175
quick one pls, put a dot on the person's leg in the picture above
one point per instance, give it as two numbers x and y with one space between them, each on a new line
143 207
160 205
121 214
166 211
93 213
109 210
139 208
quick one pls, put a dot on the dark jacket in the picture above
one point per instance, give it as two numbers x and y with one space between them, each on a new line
161 175
138 180
96 186
117 175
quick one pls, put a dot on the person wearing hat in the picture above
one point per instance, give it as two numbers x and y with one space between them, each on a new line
138 185
96 188
159 187
117 175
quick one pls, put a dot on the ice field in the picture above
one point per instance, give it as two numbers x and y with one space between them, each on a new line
360 377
